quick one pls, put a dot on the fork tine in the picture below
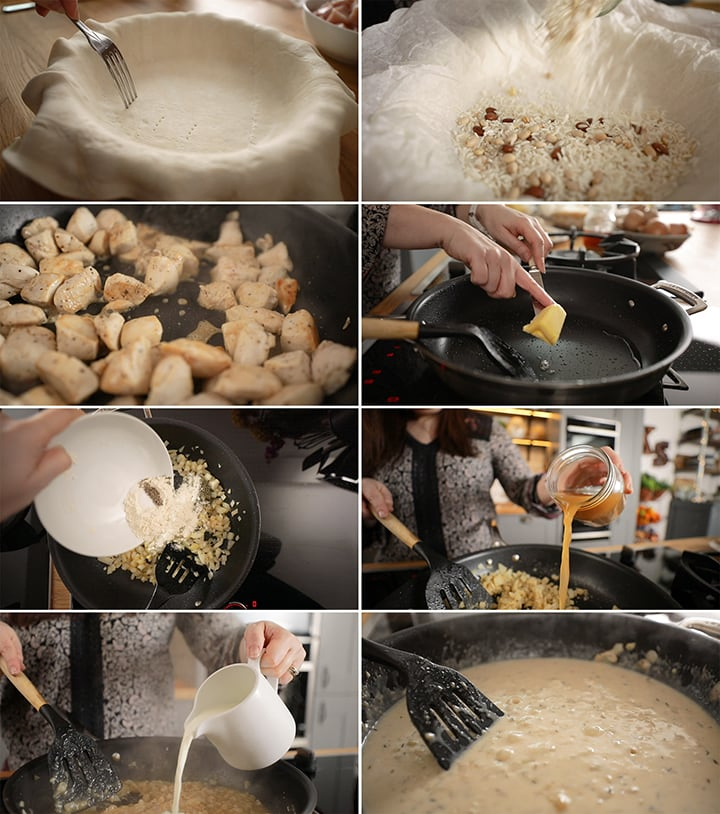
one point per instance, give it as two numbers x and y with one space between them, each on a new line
123 73
118 70
114 62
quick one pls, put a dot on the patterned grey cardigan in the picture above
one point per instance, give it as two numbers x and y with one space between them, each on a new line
463 494
381 271
137 673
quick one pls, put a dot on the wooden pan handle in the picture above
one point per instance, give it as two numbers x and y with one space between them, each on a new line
389 328
398 529
24 686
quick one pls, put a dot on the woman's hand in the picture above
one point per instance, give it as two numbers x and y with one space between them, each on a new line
29 465
521 234
11 649
376 498
69 7
615 458
491 266
277 648
590 474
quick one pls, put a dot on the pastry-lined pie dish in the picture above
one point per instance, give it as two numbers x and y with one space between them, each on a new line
226 110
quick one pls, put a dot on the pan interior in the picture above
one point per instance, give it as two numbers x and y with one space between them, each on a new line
608 354
282 788
324 254
613 329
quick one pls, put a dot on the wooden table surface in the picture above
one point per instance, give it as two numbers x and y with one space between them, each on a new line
26 39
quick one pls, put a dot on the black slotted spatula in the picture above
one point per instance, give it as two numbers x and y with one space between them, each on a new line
450 585
176 572
448 711
505 356
80 774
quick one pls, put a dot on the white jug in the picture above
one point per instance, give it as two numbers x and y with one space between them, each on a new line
240 712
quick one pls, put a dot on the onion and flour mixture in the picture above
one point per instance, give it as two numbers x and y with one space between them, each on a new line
157 513
577 736
199 798
198 515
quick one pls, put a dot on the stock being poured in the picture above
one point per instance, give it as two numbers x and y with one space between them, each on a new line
595 498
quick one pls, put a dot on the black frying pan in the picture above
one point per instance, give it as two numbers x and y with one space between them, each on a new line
688 661
619 340
282 788
90 585
609 584
323 251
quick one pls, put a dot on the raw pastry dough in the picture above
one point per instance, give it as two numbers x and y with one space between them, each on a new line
226 110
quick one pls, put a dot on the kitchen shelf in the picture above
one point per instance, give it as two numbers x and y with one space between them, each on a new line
702 462
536 432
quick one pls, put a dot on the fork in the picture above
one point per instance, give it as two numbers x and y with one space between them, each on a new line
114 61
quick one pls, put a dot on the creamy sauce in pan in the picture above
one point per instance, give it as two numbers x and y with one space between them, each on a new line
577 737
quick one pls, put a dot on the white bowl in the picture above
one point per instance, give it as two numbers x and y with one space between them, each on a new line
83 508
333 40
657 244
226 110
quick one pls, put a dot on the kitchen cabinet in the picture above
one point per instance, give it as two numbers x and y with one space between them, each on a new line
333 714
523 528
536 433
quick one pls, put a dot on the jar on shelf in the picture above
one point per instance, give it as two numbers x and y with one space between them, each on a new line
584 480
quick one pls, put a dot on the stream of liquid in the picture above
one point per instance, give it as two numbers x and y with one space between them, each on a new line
571 504
189 733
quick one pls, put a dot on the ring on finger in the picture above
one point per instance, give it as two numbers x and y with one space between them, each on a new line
293 670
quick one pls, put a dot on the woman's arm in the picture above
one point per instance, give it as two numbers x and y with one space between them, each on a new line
491 266
520 484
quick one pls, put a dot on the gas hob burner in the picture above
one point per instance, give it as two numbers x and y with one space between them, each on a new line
593 250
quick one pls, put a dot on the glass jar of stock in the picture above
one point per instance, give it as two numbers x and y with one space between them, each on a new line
584 481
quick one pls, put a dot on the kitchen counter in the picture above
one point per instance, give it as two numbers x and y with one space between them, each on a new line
26 39
684 544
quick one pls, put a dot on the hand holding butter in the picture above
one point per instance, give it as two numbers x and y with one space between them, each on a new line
548 321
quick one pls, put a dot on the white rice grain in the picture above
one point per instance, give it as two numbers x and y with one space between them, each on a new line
522 149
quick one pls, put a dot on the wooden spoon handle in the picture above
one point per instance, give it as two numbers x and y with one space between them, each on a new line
398 529
24 686
389 328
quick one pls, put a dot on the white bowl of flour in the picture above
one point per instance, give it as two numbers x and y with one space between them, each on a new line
84 508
